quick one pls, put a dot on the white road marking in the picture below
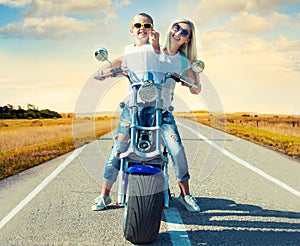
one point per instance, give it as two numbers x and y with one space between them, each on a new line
40 187
244 163
176 228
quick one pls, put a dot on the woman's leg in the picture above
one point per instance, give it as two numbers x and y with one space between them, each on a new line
176 150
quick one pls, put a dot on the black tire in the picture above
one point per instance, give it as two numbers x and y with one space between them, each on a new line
144 208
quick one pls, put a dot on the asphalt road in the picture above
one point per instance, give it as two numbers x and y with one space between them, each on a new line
249 195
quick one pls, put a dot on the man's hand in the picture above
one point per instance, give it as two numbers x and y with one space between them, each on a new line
103 72
154 39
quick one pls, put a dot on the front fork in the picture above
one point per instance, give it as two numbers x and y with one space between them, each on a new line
122 184
166 185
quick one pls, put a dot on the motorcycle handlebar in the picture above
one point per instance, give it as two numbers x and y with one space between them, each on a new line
116 71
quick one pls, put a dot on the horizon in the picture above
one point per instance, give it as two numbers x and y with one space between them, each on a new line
117 112
251 50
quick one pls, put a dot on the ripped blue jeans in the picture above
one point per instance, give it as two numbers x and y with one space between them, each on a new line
170 136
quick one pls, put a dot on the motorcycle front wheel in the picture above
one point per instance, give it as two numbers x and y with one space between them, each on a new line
144 207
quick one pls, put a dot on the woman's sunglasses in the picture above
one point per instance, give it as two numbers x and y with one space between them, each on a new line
184 32
145 25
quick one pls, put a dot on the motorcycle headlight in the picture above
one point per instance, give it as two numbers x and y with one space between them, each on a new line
148 92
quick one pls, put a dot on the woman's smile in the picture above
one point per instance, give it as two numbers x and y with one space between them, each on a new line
176 37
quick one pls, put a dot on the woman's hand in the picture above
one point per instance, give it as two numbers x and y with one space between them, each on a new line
193 77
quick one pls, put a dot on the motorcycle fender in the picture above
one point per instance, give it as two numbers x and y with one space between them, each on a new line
145 169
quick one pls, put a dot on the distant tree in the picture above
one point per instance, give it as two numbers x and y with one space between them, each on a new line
9 112
46 113
31 106
20 112
4 112
10 106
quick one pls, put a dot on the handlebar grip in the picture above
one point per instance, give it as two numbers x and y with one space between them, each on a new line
113 73
116 71
177 77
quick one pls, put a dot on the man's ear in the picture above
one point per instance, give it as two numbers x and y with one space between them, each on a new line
131 31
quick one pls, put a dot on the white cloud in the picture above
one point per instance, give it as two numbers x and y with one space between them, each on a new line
253 23
283 44
277 18
291 50
52 7
50 27
223 43
254 44
62 7
268 6
245 22
106 8
15 3
53 19
219 42
207 11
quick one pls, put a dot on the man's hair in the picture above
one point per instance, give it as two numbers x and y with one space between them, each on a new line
147 16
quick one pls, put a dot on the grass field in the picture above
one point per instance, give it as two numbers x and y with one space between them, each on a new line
278 132
26 143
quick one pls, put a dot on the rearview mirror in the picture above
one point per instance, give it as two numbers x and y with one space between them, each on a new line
198 66
101 54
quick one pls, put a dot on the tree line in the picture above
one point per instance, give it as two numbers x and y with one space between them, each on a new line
11 112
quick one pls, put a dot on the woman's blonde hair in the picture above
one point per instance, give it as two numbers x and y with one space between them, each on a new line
189 49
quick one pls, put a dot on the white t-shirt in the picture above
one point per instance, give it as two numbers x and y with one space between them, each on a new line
141 59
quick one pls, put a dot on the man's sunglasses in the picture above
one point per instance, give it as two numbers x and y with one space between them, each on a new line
184 32
145 25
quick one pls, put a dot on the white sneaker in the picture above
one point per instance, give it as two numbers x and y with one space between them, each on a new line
190 203
101 202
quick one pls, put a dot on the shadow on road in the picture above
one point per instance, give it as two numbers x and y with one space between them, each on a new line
224 222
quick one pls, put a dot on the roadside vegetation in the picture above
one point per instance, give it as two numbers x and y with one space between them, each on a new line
278 132
26 143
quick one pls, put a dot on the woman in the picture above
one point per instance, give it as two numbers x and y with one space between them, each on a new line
177 54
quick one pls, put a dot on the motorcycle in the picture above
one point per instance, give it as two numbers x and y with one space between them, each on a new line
143 176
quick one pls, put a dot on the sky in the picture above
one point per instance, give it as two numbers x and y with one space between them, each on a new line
251 49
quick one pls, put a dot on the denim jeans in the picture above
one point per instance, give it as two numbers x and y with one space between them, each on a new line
170 136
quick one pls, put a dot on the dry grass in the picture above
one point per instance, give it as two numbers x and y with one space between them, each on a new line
12 139
278 132
26 143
